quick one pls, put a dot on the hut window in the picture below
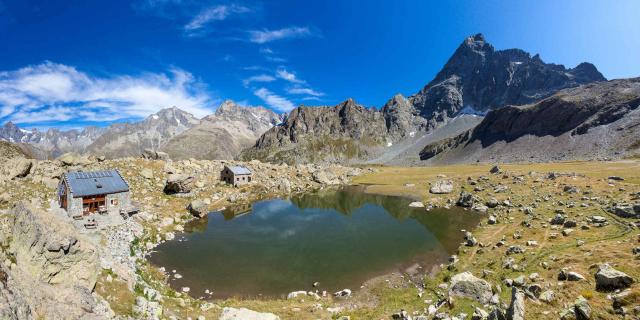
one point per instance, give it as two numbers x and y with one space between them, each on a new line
114 202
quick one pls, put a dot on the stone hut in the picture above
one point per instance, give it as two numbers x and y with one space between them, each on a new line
83 193
236 175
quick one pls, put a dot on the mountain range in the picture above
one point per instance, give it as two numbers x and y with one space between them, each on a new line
475 80
485 105
218 136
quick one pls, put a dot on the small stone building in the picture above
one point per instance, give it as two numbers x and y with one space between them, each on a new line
236 175
83 193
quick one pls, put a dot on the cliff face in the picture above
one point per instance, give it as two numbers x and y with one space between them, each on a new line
47 270
480 78
345 131
591 121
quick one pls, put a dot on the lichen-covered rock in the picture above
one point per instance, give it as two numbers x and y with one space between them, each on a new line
467 285
57 269
465 199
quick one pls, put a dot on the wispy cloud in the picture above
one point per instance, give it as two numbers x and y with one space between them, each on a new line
214 13
258 78
265 35
289 76
57 92
274 101
305 91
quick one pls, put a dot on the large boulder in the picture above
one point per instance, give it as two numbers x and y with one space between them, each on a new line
57 269
229 313
465 200
198 208
609 279
179 183
468 286
17 168
441 187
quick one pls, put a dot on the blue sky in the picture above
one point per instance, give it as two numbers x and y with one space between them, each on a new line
72 63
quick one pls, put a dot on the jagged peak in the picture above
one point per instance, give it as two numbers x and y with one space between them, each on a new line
476 42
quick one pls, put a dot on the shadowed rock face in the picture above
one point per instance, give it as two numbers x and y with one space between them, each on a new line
574 112
476 77
484 79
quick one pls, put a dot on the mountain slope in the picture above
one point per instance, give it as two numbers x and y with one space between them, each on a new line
130 139
476 79
222 135
599 120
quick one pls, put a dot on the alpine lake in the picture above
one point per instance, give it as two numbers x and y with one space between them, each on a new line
338 238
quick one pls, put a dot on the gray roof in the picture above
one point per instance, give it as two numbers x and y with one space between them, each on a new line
239 170
82 184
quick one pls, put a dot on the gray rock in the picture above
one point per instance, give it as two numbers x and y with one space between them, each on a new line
465 200
492 203
558 219
609 279
229 313
198 208
626 210
516 309
495 170
547 296
479 314
467 285
441 187
582 309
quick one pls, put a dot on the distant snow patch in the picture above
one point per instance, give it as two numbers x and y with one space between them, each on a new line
472 111
412 134
155 117
389 144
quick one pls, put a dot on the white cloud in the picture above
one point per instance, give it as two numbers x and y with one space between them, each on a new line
264 36
258 78
215 13
274 101
289 76
305 91
56 92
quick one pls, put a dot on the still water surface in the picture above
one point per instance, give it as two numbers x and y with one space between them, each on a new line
338 238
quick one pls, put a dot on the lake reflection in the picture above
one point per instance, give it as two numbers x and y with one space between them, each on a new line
338 238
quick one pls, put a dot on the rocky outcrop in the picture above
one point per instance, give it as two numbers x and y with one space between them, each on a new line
222 135
591 121
154 155
315 134
179 183
54 269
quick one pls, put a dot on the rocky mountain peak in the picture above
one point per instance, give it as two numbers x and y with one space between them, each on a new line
227 107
